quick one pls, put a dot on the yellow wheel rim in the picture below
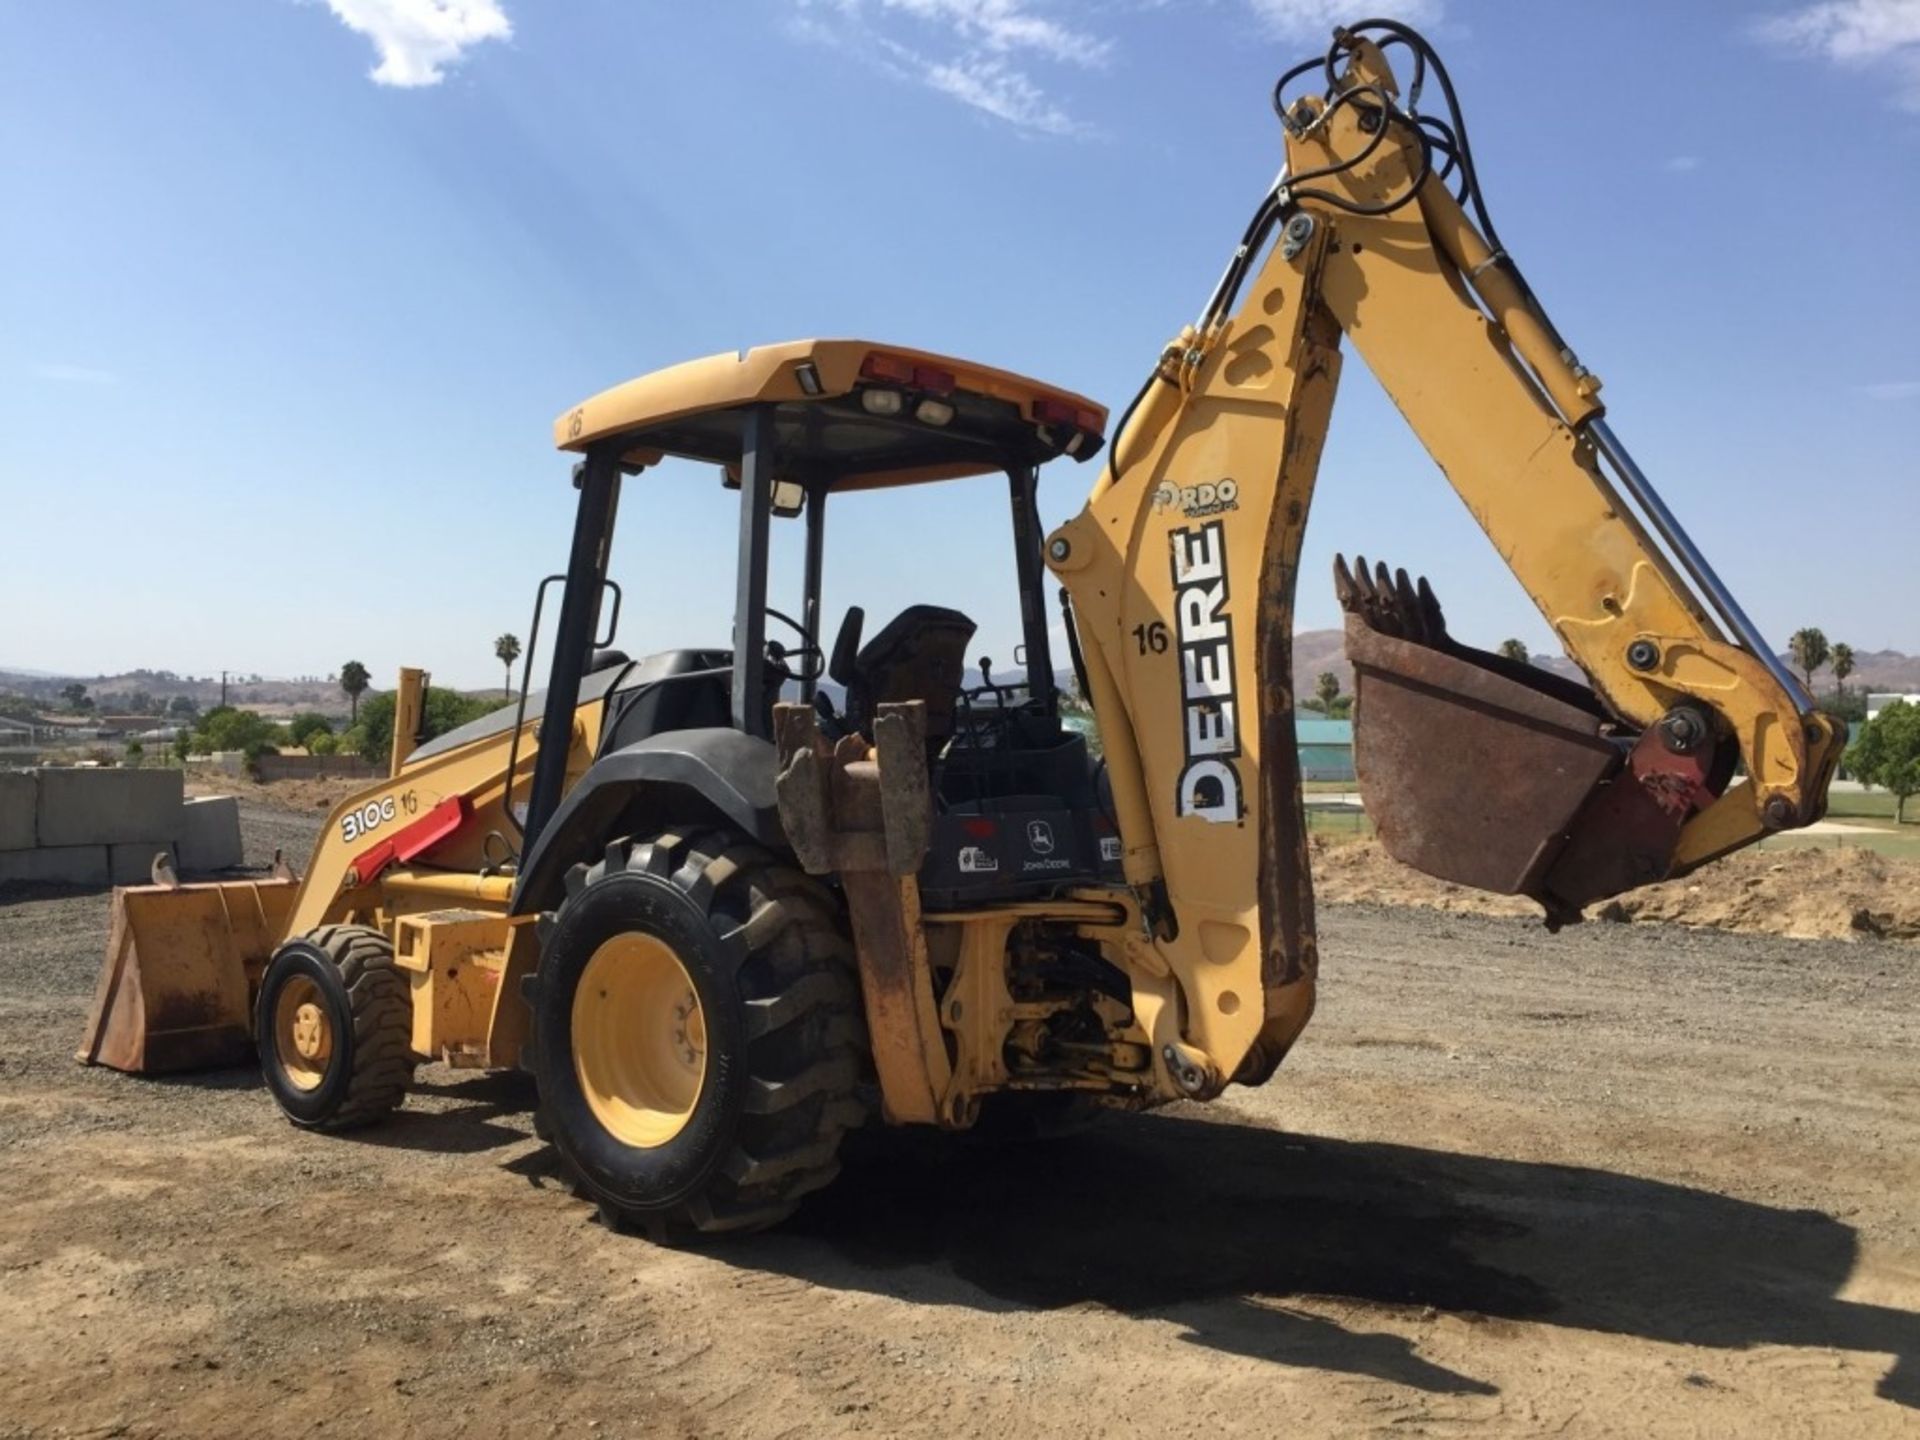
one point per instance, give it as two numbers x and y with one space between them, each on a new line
302 1033
639 1040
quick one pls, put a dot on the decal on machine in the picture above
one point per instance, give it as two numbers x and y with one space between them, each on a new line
1194 501
1209 786
368 818
976 861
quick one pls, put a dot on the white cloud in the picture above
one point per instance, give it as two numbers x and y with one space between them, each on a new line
990 54
1315 19
417 39
1894 390
995 87
74 374
1680 164
1863 34
983 53
1007 25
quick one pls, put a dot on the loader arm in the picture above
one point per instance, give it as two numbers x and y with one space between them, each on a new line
1182 566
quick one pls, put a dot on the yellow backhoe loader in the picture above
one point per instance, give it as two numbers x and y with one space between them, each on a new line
723 917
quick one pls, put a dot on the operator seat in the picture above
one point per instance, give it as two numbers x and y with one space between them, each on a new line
921 654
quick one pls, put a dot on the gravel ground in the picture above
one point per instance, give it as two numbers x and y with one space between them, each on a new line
1626 1180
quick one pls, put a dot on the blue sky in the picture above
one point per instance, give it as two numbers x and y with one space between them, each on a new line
291 292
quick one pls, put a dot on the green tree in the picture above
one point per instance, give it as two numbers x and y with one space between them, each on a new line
306 725
1327 689
1810 651
1850 707
441 710
1842 661
1888 754
75 694
225 728
506 650
1514 650
182 707
1077 715
354 679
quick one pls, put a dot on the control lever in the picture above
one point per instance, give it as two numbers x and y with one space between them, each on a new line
831 724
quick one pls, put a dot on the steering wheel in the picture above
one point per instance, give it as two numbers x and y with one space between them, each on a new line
807 650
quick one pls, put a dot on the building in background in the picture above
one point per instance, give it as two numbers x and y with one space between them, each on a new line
1879 702
1326 748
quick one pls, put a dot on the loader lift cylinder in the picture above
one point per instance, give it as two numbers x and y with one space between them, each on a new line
598 477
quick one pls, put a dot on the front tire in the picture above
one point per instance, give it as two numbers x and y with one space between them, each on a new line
697 1035
334 1025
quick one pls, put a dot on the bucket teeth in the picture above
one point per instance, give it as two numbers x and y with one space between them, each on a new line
1389 601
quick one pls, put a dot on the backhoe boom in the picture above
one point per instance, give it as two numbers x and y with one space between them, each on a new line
1182 569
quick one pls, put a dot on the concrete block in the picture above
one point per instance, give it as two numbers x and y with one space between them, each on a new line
63 865
209 834
107 807
17 792
132 863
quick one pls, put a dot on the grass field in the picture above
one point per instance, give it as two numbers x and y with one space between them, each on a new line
1870 811
1903 844
1339 824
1869 805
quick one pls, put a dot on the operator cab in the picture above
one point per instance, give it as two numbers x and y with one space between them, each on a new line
1018 810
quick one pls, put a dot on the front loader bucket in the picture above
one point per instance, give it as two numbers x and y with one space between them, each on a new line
182 964
1474 767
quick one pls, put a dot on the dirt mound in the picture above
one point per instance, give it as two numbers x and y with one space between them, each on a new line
317 793
1809 894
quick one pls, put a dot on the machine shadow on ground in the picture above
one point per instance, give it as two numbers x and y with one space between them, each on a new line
1214 1224
1193 1219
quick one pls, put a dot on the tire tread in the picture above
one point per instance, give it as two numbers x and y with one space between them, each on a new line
382 1008
801 997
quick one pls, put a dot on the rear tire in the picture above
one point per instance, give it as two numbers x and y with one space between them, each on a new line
334 1024
764 996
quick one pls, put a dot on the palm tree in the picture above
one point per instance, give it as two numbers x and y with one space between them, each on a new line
353 680
1842 661
506 650
1809 650
1514 650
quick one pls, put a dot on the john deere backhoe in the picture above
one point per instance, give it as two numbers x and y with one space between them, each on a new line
724 917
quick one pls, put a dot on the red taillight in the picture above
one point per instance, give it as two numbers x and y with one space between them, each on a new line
887 367
898 370
1051 411
980 829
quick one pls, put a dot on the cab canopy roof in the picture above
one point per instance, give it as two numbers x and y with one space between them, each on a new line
849 414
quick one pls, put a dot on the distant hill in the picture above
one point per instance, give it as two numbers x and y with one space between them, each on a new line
132 690
1316 651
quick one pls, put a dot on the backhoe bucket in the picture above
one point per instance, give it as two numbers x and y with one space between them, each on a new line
1473 767
183 962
